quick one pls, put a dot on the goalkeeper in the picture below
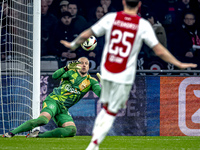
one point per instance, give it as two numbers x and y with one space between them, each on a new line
75 83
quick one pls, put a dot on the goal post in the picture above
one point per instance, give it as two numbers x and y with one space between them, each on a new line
36 57
19 62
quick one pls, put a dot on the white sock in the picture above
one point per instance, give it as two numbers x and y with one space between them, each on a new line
92 146
98 119
104 125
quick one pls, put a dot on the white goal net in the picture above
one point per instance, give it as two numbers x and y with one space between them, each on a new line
19 62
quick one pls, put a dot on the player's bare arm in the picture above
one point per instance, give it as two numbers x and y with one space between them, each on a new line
165 55
79 40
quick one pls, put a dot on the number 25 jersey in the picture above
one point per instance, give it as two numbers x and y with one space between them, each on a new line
124 35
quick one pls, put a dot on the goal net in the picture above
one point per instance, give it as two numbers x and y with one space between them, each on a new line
19 62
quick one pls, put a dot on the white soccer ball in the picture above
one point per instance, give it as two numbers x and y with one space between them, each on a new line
89 44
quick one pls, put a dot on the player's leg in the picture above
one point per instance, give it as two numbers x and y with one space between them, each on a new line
104 99
43 119
29 125
61 132
99 118
117 96
66 126
101 128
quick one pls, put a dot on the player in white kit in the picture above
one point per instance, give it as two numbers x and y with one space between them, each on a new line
124 32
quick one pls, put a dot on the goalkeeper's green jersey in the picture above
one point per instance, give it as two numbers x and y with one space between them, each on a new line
73 87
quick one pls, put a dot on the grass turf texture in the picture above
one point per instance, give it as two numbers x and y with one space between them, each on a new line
111 142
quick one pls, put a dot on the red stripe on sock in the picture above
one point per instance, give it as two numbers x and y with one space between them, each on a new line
105 107
108 112
95 142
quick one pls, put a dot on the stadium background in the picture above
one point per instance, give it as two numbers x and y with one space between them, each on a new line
152 108
154 102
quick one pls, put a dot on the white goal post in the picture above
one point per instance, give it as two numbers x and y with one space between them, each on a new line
19 62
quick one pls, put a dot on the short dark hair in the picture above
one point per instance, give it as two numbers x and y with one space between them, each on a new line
132 3
66 13
73 3
189 13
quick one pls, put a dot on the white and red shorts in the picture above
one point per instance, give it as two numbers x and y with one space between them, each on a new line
114 94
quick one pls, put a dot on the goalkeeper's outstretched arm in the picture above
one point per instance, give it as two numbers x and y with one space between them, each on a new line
79 40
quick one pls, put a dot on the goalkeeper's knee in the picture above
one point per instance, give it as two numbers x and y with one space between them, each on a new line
40 121
68 131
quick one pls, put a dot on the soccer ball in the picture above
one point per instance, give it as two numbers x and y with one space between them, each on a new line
89 44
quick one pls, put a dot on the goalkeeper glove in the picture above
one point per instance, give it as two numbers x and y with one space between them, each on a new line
73 65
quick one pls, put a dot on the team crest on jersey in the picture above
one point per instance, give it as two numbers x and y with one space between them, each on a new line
84 84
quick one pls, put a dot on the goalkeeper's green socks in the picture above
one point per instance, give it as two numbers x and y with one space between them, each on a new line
68 131
30 124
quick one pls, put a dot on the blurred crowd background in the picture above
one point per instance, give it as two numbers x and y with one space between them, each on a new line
176 24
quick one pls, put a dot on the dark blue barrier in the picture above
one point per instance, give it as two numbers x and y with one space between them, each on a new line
153 106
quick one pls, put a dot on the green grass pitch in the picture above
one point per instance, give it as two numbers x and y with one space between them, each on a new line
110 143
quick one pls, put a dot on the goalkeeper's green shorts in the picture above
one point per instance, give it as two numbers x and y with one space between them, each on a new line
58 112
